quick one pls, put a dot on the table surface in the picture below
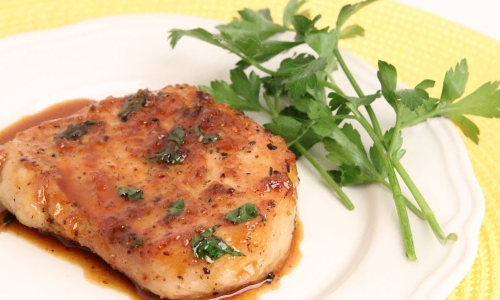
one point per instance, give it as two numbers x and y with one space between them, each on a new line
479 15
471 33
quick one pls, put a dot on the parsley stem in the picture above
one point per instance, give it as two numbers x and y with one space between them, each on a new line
257 64
277 96
437 112
343 197
424 206
348 73
392 148
422 118
375 133
358 91
427 211
399 199
331 85
408 203
272 109
300 135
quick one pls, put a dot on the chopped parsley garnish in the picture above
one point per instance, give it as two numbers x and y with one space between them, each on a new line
171 152
243 213
75 131
130 193
176 207
210 247
132 241
138 242
206 138
134 102
177 135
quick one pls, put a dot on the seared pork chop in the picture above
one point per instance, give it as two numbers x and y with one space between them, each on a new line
186 196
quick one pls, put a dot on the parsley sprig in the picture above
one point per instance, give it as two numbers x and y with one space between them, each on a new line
307 106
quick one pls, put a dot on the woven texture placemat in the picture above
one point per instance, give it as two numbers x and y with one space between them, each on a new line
420 45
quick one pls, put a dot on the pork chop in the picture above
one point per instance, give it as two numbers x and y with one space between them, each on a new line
187 197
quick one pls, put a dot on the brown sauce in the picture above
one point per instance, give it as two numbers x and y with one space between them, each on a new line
55 111
95 269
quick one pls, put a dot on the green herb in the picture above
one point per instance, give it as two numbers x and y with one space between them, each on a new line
76 131
177 135
8 218
132 241
176 207
206 138
210 247
243 213
138 243
171 152
134 102
130 193
307 106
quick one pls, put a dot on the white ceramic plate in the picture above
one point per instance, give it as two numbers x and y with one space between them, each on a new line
345 254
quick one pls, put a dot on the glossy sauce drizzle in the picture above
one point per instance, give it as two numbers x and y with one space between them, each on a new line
95 269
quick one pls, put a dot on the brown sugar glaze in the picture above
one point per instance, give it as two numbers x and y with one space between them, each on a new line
95 269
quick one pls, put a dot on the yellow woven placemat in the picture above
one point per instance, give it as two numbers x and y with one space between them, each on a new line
420 45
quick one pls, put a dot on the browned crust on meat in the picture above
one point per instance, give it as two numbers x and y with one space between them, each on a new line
74 187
